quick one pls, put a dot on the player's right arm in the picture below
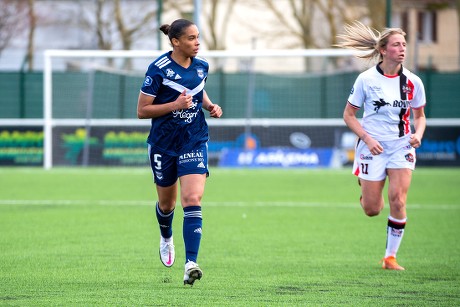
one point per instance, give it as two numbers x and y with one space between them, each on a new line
349 116
147 109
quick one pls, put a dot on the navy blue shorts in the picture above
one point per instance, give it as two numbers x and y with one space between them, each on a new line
166 169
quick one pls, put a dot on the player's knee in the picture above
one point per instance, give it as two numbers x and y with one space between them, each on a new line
371 211
167 206
397 204
192 199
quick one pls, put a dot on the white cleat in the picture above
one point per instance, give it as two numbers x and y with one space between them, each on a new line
167 253
192 273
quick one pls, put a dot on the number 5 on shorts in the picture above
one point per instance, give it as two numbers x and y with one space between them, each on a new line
157 160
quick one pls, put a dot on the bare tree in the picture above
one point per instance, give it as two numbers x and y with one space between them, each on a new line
118 24
215 38
127 29
333 14
301 13
103 27
32 18
376 9
12 21
215 26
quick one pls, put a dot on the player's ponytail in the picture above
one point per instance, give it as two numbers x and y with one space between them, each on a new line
363 38
165 29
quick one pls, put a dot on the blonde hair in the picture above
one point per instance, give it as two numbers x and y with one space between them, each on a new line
363 38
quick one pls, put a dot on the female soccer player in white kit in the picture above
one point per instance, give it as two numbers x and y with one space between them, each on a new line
386 146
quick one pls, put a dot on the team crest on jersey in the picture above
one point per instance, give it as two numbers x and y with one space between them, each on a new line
409 157
169 72
200 73
406 89
147 81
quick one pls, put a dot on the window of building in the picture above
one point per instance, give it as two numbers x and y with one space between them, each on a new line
427 26
405 25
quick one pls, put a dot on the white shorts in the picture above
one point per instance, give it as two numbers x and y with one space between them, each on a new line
396 154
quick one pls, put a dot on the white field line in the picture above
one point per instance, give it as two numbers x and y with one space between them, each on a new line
68 202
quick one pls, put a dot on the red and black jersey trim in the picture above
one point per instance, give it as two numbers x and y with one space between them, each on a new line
406 88
353 106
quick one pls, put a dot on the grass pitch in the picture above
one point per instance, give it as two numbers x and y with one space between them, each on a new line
271 237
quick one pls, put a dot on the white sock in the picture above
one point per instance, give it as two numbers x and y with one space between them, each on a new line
395 232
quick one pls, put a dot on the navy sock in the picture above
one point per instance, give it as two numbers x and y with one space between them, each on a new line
165 222
192 232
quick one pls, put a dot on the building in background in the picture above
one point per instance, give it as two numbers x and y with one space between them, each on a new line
432 26
433 32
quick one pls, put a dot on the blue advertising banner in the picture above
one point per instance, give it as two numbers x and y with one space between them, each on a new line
265 146
276 157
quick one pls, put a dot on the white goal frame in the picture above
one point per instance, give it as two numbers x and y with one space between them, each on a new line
49 122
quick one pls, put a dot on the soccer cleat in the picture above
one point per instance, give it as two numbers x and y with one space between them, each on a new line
192 273
167 253
389 263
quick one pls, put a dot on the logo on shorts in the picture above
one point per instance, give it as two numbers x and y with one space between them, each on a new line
363 157
159 175
409 157
201 164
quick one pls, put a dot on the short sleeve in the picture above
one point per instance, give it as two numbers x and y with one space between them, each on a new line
357 94
152 81
419 99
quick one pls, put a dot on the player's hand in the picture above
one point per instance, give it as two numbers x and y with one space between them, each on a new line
415 141
184 101
215 110
374 146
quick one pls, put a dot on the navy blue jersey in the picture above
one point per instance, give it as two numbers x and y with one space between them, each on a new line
179 130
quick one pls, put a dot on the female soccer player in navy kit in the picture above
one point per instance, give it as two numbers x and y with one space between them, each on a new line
386 146
173 96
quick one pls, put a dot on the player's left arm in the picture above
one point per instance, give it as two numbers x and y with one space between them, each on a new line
419 125
214 109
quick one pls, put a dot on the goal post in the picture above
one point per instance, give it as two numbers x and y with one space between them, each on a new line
260 89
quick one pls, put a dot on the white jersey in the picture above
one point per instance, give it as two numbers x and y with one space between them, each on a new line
387 102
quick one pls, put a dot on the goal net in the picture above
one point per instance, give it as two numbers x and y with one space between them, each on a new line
281 107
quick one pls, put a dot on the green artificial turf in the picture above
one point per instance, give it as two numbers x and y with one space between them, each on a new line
271 237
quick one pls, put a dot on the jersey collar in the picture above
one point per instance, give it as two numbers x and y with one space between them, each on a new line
381 71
